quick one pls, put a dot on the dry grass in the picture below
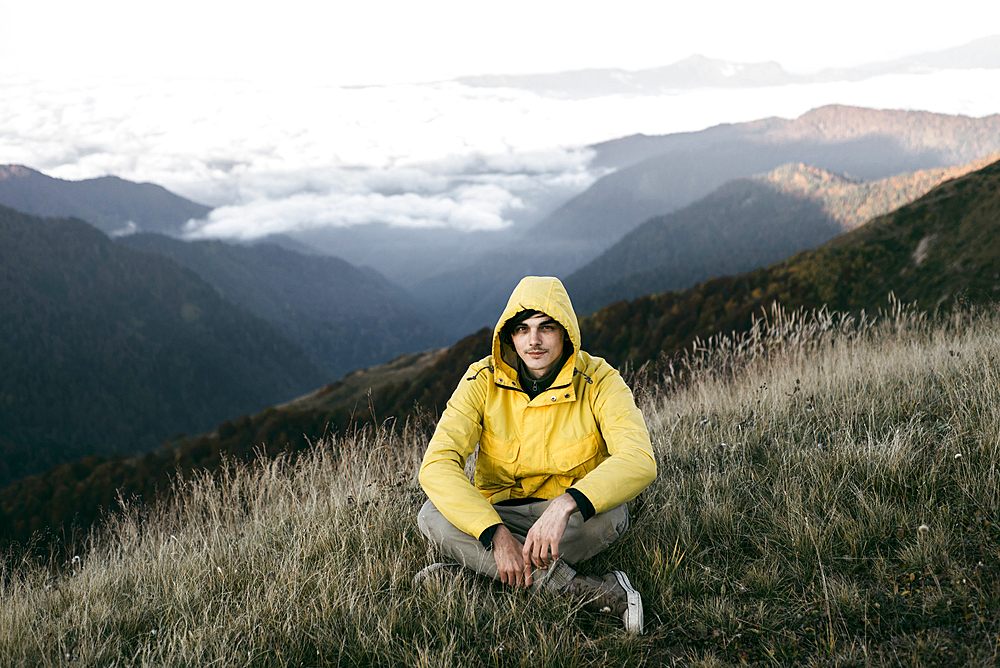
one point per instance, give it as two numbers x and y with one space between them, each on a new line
828 495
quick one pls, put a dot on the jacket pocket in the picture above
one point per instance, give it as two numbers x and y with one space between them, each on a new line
578 457
495 463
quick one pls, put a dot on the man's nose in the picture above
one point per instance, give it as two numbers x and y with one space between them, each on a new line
535 336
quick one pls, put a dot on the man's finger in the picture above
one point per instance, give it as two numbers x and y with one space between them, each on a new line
538 554
527 575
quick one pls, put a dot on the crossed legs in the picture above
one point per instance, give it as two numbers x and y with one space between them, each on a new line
581 541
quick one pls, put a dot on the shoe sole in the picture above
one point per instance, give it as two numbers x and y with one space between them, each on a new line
633 614
422 575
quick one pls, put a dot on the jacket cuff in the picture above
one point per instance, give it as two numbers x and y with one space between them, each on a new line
582 502
486 537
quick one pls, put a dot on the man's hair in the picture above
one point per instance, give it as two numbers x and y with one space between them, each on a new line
507 331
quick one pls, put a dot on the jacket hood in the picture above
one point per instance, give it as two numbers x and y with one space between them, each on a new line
539 293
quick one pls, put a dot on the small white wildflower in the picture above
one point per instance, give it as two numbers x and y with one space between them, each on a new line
154 631
958 455
219 568
923 528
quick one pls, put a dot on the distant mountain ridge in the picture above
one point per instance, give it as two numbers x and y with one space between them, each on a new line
344 317
110 204
698 71
745 224
866 143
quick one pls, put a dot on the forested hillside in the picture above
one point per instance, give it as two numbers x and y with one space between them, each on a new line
106 348
746 224
345 318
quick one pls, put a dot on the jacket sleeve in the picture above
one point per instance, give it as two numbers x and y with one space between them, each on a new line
442 473
631 465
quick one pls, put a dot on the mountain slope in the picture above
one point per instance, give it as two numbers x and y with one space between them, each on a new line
108 348
747 223
866 143
942 249
344 317
108 203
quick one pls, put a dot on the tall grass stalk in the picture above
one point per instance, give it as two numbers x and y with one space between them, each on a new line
828 494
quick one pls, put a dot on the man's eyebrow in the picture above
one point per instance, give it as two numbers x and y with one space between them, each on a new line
550 321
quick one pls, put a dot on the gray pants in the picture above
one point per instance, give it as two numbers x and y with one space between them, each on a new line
581 541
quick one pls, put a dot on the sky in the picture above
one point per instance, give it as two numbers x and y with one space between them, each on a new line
343 113
396 41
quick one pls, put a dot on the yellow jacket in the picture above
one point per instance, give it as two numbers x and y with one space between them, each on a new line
584 432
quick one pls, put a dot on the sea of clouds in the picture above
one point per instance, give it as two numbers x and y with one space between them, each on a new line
275 157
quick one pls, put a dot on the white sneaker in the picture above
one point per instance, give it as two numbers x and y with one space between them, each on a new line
613 593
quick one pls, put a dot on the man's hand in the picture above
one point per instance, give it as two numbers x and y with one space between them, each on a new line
541 545
510 563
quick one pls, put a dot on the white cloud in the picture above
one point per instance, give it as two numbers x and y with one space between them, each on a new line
466 208
286 157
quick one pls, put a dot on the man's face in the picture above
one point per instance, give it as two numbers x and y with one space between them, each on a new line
539 343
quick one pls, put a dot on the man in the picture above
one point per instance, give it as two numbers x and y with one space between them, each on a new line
562 448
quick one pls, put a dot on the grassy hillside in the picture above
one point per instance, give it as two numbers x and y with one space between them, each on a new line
827 496
108 203
107 348
746 224
345 318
